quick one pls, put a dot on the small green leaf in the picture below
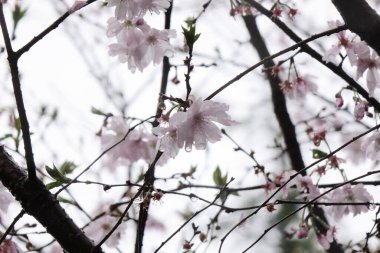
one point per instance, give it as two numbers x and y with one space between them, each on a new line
190 35
318 154
56 174
235 193
217 175
5 136
54 184
67 201
141 176
97 111
18 124
17 15
67 167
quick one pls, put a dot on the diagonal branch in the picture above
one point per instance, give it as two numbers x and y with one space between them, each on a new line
37 201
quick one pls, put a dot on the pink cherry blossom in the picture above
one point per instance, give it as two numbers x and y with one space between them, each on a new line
306 186
282 179
371 146
326 239
198 128
140 144
339 102
344 42
360 110
299 87
99 228
78 4
168 135
9 246
195 127
369 62
349 194
302 232
5 198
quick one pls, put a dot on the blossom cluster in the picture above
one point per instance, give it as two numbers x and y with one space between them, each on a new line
298 87
139 145
183 129
194 127
359 54
137 43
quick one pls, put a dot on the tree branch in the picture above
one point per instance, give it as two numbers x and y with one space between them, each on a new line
38 202
286 125
149 177
361 19
13 61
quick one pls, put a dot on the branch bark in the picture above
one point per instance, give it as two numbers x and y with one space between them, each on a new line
286 125
361 19
38 202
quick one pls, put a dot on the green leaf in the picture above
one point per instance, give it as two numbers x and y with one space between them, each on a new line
18 124
56 174
17 15
67 167
217 175
5 136
54 184
318 154
67 201
235 193
141 176
190 35
97 111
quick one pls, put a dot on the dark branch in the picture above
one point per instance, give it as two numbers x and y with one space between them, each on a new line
38 202
13 61
361 19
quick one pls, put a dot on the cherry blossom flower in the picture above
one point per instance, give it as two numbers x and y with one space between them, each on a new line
306 186
349 194
371 146
370 62
5 198
78 4
99 228
9 246
326 239
299 87
339 102
198 128
154 5
303 231
344 42
276 11
360 110
138 145
282 179
195 127
318 135
168 135
153 47
137 43
292 13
